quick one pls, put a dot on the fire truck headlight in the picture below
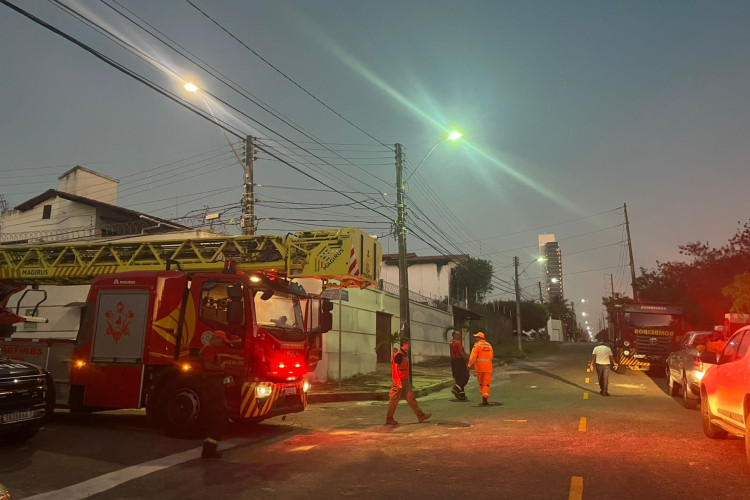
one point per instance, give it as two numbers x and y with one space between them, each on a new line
626 343
626 353
305 386
698 375
80 363
263 390
186 367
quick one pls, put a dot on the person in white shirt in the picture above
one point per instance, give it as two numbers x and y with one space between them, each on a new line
601 358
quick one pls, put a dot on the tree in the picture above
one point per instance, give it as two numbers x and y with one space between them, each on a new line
698 284
471 279
533 316
562 309
739 292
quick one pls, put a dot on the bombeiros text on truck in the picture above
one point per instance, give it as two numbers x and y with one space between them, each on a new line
152 305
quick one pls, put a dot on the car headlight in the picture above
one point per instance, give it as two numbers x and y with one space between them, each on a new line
626 343
699 375
263 390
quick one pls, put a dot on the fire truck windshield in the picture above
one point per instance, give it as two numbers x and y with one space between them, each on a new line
638 319
281 315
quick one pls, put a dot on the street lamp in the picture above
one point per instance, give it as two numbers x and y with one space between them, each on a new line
403 272
453 136
248 196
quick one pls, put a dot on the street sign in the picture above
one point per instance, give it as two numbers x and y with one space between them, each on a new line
336 294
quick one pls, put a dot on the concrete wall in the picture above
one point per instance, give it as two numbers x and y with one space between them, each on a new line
430 332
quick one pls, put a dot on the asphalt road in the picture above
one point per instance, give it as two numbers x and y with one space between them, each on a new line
547 435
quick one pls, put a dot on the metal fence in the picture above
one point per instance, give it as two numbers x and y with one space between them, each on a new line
441 304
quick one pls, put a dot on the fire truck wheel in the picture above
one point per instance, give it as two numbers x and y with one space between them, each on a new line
180 408
709 429
747 439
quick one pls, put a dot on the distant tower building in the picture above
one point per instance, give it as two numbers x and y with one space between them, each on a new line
552 274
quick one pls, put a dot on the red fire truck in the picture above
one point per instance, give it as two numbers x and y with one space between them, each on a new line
144 323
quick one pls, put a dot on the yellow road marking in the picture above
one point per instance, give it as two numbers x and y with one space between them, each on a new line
576 488
582 425
585 395
587 380
303 448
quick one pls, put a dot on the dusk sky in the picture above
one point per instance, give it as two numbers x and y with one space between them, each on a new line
569 110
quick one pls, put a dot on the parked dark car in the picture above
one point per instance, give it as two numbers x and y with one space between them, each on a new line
26 399
685 368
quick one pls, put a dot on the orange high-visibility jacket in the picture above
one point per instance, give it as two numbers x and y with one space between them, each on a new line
481 356
400 371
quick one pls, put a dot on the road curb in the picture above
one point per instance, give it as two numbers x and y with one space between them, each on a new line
337 397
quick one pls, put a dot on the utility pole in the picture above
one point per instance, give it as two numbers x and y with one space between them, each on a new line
403 270
630 251
248 199
612 286
518 306
541 299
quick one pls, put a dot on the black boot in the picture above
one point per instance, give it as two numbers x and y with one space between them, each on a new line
485 402
210 449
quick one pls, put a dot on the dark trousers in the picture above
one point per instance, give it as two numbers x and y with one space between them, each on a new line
460 372
602 373
216 413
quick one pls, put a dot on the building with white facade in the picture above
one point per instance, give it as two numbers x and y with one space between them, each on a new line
429 276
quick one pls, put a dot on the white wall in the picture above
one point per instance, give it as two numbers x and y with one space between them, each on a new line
430 333
426 279
89 184
65 214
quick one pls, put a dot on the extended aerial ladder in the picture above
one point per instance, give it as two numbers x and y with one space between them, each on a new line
346 255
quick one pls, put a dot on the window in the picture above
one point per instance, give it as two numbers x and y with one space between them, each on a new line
47 212
744 346
731 349
222 307
699 339
280 315
645 320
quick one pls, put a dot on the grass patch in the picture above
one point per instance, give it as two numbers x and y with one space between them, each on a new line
531 350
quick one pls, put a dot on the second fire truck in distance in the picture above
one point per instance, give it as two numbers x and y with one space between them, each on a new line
142 330
645 333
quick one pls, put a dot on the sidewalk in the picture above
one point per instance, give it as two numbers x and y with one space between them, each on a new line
426 379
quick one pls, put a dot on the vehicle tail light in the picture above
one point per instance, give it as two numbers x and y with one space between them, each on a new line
698 367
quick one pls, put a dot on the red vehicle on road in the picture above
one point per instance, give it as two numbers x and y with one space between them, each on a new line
725 390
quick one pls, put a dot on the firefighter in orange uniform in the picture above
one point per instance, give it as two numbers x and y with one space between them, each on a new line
481 358
401 385
216 415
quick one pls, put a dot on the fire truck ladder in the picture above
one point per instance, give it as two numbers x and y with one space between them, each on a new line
347 255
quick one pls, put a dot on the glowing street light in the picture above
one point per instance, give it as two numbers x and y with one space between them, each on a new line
453 136
190 87
401 230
